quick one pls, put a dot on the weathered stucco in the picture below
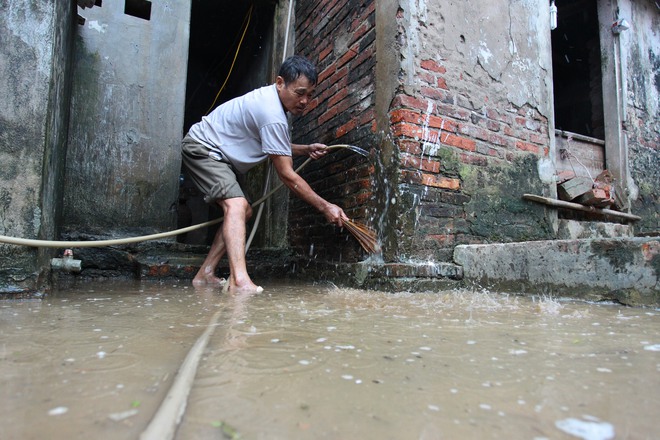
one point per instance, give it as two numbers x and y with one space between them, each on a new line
478 70
127 119
640 60
34 82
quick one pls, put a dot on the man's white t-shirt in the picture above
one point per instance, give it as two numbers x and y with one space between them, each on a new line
246 129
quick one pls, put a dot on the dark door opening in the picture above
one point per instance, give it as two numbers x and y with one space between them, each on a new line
576 65
230 44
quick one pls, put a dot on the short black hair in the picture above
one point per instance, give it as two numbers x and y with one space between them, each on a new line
295 66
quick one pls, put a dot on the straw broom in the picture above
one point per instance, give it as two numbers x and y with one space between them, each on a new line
365 236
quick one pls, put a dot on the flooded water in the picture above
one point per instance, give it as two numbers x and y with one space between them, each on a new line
318 362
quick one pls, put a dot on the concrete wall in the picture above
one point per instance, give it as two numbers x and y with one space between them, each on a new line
127 108
640 64
35 59
623 270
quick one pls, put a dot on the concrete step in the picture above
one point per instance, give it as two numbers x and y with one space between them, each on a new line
626 270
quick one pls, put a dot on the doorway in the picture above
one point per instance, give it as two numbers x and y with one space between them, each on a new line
576 65
229 54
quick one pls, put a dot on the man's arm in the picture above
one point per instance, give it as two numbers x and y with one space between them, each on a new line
315 151
284 166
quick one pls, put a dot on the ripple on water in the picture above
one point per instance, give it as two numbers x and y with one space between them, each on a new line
321 362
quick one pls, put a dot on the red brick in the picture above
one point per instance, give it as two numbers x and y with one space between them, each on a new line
526 146
433 66
410 101
538 139
326 73
440 182
367 116
338 75
432 166
421 119
442 83
497 139
359 32
443 239
493 125
433 93
406 129
312 105
334 99
426 179
370 9
471 159
408 146
325 52
458 141
351 53
329 114
427 78
491 113
342 130
359 199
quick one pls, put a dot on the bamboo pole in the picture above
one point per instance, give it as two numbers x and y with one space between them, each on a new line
577 207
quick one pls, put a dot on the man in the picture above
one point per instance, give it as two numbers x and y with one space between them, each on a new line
234 138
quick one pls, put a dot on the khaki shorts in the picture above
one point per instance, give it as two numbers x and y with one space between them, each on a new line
214 177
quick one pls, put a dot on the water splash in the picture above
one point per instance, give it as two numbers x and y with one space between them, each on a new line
358 150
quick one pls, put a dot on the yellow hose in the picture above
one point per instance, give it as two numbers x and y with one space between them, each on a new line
100 243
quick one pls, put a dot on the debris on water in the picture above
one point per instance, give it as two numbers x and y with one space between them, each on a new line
101 354
592 429
123 415
517 352
58 411
655 347
228 431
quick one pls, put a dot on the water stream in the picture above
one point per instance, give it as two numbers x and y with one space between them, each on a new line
304 361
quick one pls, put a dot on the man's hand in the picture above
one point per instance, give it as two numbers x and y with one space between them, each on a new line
335 215
317 151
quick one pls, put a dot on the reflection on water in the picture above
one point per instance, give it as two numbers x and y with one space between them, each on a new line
310 362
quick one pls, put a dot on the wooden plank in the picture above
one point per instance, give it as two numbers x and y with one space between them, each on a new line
575 187
576 206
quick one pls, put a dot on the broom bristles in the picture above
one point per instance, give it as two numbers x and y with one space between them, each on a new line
365 236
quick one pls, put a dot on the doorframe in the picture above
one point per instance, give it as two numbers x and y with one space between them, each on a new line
613 62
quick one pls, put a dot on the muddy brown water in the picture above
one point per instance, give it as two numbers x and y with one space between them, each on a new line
304 361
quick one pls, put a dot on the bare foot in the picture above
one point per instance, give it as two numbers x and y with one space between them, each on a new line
247 288
204 281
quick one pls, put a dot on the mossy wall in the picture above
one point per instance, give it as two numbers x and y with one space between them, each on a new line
35 75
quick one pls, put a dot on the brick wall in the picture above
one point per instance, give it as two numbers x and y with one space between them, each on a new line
452 157
338 36
460 146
